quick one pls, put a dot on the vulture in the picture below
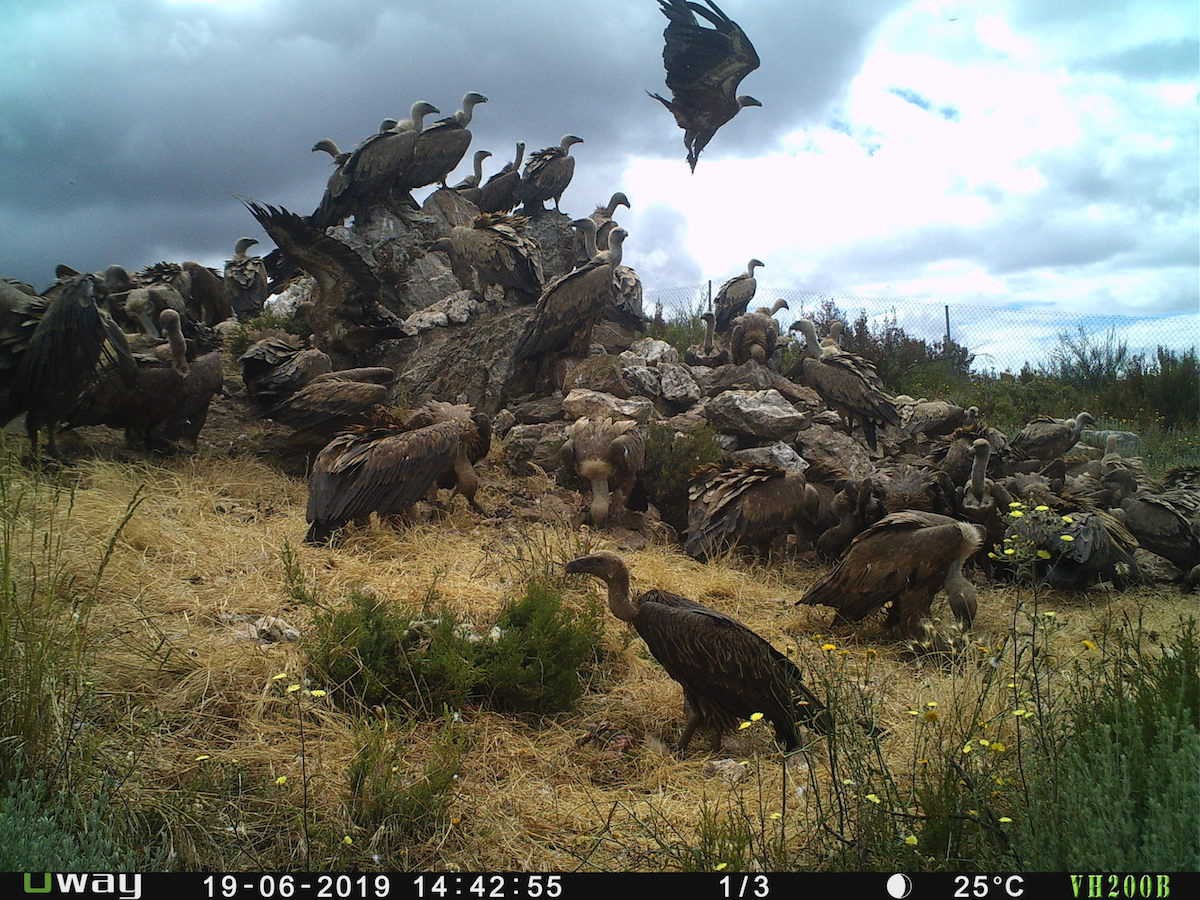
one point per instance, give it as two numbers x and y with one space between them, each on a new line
327 145
956 455
745 505
755 335
469 188
334 401
497 251
983 502
938 417
608 455
603 217
851 510
585 240
547 175
706 354
846 383
20 310
734 296
704 68
385 468
461 478
905 558
498 193
570 305
345 310
442 145
912 487
145 304
1046 438
207 301
379 165
727 672
275 368
245 281
73 341
1166 523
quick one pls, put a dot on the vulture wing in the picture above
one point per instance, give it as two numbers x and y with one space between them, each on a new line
704 65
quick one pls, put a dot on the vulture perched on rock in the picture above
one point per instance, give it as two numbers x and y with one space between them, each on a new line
245 281
734 296
547 175
937 417
745 505
608 455
469 188
603 217
498 193
385 469
905 558
846 383
442 145
706 354
275 368
755 335
73 342
497 251
376 170
1046 438
727 672
704 68
345 311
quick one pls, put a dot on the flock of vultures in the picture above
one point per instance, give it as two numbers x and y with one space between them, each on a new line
904 498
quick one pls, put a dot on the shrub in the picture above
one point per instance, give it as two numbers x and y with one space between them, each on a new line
535 662
45 832
670 461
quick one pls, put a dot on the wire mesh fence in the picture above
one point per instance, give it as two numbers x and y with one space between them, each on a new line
997 338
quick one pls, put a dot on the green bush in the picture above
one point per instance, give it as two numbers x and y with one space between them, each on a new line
536 662
45 832
670 461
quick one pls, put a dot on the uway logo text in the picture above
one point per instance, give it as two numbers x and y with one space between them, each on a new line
126 887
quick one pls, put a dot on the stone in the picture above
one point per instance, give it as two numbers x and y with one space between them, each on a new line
614 337
538 445
552 232
537 412
1128 443
600 373
449 208
776 454
827 417
1156 569
503 422
760 414
728 442
834 450
593 404
679 388
654 351
643 380
687 422
751 376
287 301
728 770
455 309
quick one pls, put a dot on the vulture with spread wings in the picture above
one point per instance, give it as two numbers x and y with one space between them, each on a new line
704 68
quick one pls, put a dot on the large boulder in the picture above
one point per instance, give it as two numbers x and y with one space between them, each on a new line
644 380
455 309
552 232
751 376
759 414
654 351
537 412
776 454
679 388
536 444
598 373
835 451
593 404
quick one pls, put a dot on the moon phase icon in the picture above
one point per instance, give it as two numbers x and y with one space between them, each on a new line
899 886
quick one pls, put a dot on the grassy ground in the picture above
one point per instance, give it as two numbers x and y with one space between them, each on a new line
206 752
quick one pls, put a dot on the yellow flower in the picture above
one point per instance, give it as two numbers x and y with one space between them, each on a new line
1009 551
1042 508
347 840
203 756
1016 514
1043 554
754 717
967 748
911 840
983 742
913 712
1068 520
829 646
776 816
720 867
1016 503
997 747
292 688
1049 614
992 555
972 812
847 781
931 704
874 798
279 677
1066 537
1088 645
744 725
282 779
1005 820
317 693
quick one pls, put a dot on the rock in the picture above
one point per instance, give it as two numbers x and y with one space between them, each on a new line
834 450
729 770
728 442
776 454
228 328
536 444
614 337
750 376
689 421
553 233
827 417
582 402
503 422
654 351
455 309
600 373
286 302
679 388
1128 443
537 412
272 629
760 414
643 380
1156 569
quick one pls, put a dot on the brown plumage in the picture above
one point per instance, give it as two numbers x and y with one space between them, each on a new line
1047 438
755 335
905 558
706 354
20 310
910 487
608 455
852 511
1166 523
245 281
496 250
143 305
498 193
704 68
727 672
275 368
441 146
734 296
469 188
384 469
934 417
1100 546
207 301
322 408
982 501
745 505
603 217
547 175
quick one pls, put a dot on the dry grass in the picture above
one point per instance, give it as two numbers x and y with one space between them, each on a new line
178 684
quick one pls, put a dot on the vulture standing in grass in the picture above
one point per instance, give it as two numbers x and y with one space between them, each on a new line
379 166
69 347
1166 523
755 335
704 68
608 455
496 250
984 502
275 368
905 558
1046 438
734 296
547 175
746 505
469 188
727 672
706 354
498 193
441 146
851 510
906 486
245 281
462 478
345 311
385 468
846 383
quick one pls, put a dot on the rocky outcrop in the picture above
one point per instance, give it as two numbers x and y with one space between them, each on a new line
593 404
553 233
679 388
758 414
536 444
456 309
776 454
834 450
650 352
538 412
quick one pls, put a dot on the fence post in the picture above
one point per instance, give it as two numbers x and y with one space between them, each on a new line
709 307
946 346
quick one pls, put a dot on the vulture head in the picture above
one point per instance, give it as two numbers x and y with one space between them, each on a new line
777 306
243 244
567 141
753 264
806 327
586 228
618 199
745 100
616 238
611 569
388 125
1082 421
172 327
117 280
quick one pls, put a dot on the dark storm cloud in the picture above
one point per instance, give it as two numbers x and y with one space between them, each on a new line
129 126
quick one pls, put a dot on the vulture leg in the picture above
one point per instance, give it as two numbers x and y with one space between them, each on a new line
688 730
31 430
466 482
716 740
910 608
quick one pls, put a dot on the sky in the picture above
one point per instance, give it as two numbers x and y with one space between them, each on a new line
1014 154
